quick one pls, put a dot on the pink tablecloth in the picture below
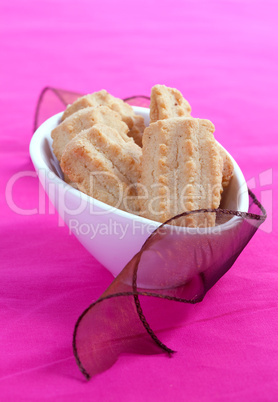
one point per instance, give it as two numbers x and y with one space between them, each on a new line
223 57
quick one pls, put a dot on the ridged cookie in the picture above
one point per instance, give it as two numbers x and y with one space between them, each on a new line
104 166
167 103
134 122
181 170
82 120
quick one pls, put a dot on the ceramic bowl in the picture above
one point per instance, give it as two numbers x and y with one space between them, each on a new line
112 236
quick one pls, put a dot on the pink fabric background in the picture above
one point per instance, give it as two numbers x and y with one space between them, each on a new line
223 56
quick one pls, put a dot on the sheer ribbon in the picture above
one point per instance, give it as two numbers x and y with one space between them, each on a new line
176 264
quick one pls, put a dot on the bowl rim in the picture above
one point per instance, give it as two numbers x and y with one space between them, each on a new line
40 165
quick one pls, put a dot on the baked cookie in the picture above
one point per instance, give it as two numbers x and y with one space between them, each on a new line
181 171
103 165
134 122
228 167
82 120
167 103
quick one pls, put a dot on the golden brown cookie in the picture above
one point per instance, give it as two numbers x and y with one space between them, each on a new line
104 166
167 103
134 122
82 120
228 167
181 170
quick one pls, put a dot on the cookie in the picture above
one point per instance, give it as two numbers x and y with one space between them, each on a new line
137 129
181 171
104 166
167 103
82 120
228 167
134 122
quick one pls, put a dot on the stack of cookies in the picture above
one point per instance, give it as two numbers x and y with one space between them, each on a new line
172 166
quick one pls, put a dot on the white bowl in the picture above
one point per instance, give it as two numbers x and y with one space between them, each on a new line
112 236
